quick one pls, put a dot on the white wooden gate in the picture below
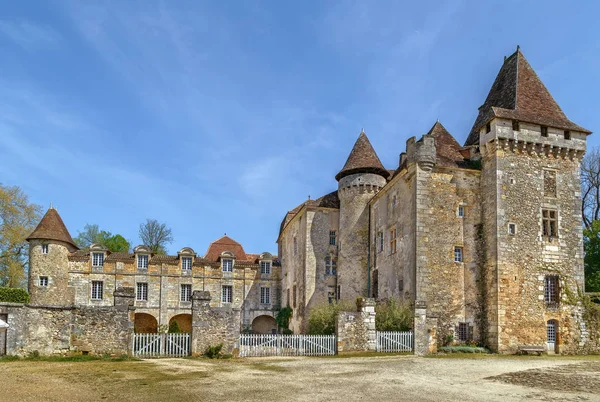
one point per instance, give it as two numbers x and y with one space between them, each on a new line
252 345
161 345
395 341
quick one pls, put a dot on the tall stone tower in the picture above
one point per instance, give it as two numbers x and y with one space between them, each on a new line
360 179
530 184
49 247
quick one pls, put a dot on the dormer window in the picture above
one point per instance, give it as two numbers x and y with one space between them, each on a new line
142 261
186 263
544 131
227 265
265 267
44 249
97 259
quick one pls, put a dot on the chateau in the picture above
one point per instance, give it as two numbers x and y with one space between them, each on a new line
484 237
62 275
484 240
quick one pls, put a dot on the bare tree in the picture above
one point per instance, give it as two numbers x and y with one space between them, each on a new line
155 235
590 187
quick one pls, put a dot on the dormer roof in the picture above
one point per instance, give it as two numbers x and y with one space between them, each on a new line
52 227
519 94
362 159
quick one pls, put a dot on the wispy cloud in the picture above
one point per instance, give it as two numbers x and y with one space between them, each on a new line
30 35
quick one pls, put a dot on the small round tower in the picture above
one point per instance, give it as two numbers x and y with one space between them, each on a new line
49 247
360 179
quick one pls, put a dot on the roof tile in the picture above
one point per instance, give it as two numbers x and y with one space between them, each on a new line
52 227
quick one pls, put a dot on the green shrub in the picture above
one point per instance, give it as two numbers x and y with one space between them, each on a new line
174 328
214 352
393 316
283 316
322 317
14 295
463 349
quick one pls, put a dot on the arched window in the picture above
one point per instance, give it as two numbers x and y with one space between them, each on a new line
330 266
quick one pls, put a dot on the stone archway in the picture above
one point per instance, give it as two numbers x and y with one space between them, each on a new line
264 324
145 323
184 321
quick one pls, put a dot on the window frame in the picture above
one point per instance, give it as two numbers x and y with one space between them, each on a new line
100 262
551 291
393 234
227 294
227 264
330 266
143 294
332 238
380 242
265 295
45 249
265 267
185 295
459 255
460 212
43 281
145 258
186 263
512 232
97 289
550 223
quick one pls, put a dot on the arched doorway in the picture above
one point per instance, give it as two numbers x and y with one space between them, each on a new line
184 322
551 334
264 324
145 323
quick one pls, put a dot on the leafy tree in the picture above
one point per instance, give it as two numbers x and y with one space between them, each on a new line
591 243
393 316
322 318
18 218
282 318
91 234
155 235
590 213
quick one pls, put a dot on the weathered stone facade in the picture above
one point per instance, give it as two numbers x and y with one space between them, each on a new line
212 326
486 238
356 330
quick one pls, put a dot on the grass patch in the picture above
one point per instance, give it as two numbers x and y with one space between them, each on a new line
268 367
76 357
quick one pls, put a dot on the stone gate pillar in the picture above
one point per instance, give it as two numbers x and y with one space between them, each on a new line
212 326
425 330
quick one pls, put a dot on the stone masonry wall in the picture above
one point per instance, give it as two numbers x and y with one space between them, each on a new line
356 330
213 326
54 266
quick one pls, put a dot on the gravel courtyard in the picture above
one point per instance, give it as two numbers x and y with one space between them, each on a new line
393 378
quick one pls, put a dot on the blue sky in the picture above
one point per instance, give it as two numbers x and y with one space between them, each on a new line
219 117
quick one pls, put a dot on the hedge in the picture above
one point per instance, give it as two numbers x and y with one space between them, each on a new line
14 295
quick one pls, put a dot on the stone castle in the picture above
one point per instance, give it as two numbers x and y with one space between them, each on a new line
485 238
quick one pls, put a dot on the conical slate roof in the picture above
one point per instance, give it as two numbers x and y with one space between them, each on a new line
447 149
362 159
52 227
519 94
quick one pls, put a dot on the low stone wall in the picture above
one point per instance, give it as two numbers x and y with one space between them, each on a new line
61 330
356 330
213 326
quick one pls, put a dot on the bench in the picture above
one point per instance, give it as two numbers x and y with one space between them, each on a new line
532 349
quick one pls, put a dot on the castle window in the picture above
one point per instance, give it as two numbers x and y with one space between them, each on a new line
394 200
142 261
227 265
265 295
549 223
458 254
97 259
392 241
332 238
461 211
400 285
488 128
515 125
567 135
43 281
97 290
185 295
330 266
294 296
465 332
512 229
141 291
380 242
186 263
551 290
44 249
226 293
544 130
265 267
549 183
295 246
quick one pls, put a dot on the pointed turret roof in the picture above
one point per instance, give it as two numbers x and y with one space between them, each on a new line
447 149
225 243
519 94
52 227
362 159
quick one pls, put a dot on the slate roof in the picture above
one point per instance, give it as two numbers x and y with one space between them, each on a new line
52 227
519 94
362 159
446 147
330 200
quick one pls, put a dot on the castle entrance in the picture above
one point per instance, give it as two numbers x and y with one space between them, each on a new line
145 323
264 324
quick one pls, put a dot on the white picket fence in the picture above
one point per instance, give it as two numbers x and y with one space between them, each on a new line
161 345
253 345
395 341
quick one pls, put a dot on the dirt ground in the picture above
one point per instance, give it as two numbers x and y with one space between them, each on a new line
384 378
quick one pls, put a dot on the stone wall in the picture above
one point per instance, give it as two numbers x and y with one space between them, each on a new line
212 326
356 330
425 331
61 330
